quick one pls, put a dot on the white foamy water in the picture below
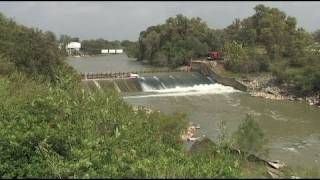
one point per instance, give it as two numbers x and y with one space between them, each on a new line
186 91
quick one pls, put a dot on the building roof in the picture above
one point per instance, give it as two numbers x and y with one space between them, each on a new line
73 45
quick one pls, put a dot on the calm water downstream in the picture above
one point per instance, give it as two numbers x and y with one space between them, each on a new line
292 128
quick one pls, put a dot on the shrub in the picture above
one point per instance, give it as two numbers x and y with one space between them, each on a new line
250 137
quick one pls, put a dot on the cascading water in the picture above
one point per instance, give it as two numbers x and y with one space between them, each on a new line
181 84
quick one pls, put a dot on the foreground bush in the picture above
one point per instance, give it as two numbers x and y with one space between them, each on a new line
61 131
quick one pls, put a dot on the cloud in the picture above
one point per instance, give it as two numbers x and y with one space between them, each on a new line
125 20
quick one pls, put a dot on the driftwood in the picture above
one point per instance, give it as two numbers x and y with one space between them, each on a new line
276 164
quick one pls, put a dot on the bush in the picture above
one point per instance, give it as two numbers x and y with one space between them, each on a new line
240 59
6 67
60 132
304 78
30 50
250 137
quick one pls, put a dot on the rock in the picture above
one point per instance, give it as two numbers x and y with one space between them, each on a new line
291 98
273 173
270 90
276 164
265 86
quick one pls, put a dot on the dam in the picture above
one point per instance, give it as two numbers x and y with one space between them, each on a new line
292 128
155 78
159 83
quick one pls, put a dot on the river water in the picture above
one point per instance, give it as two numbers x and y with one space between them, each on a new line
292 128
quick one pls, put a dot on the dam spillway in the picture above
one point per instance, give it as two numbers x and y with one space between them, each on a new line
162 84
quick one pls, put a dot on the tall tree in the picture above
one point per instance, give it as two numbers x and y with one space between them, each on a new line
176 41
316 36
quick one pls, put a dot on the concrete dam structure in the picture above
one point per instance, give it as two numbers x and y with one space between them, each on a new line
119 85
162 84
201 74
206 69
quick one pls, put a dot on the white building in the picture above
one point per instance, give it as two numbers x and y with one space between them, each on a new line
112 51
104 51
119 51
73 47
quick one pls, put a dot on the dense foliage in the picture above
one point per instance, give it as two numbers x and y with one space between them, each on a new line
51 127
177 41
249 137
316 36
130 48
29 50
50 132
269 36
267 41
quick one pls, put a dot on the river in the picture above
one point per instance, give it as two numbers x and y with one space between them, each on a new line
291 127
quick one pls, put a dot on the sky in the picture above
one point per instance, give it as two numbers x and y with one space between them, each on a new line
116 20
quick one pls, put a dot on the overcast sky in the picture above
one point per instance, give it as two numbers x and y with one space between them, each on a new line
125 20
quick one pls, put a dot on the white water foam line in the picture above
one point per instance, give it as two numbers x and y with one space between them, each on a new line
171 77
201 89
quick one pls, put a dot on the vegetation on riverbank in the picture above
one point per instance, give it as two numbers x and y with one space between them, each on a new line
177 41
51 127
267 41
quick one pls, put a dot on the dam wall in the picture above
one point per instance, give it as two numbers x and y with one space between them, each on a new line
119 85
202 74
206 69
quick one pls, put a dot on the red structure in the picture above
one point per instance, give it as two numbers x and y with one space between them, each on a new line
214 55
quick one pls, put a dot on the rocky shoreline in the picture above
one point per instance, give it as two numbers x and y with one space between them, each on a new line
265 86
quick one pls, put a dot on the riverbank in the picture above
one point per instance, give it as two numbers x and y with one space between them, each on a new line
265 85
251 165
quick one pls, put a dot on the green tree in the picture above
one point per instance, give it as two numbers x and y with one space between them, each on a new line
152 43
30 50
241 59
231 33
131 48
316 36
215 39
249 137
179 39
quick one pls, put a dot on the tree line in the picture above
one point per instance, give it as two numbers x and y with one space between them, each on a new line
94 46
267 41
